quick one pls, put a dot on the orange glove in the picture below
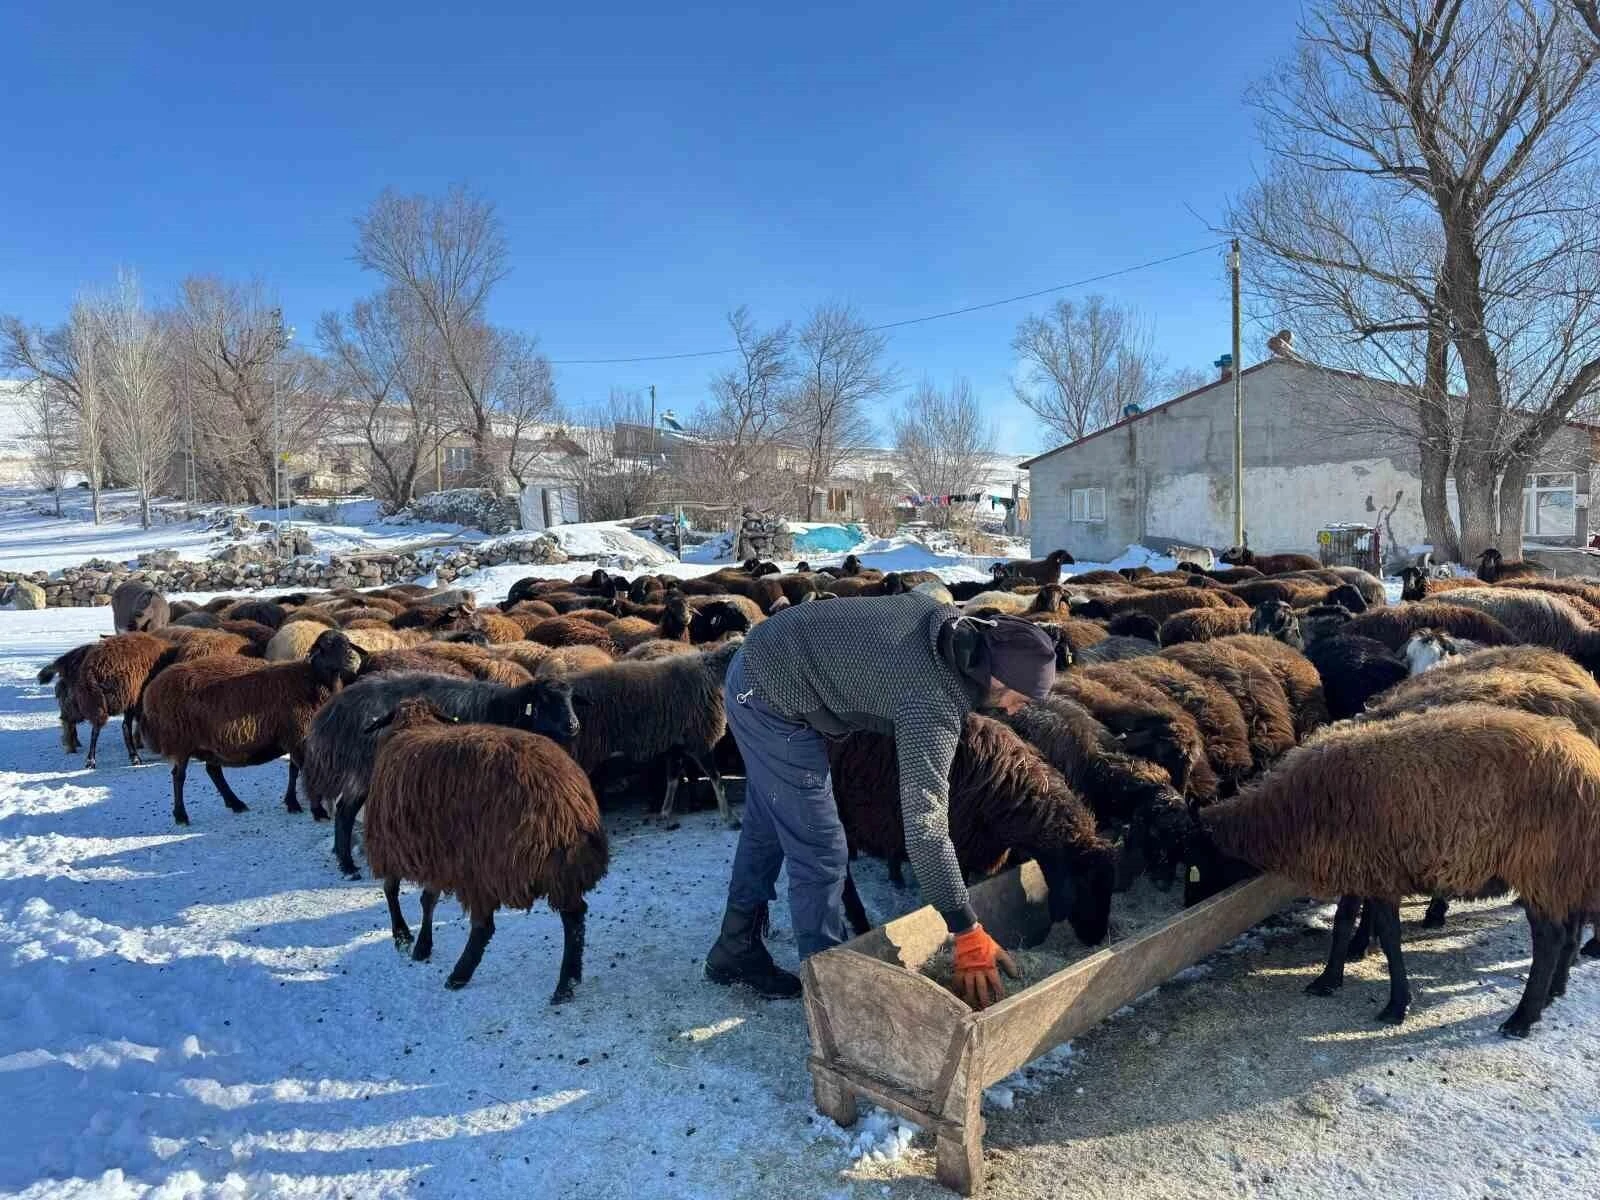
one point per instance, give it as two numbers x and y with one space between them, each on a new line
977 955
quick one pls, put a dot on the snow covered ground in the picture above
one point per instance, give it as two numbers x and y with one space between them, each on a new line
213 1012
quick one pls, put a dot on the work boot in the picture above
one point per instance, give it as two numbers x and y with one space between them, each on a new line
740 956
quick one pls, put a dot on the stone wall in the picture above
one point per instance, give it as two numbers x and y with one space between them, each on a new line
247 567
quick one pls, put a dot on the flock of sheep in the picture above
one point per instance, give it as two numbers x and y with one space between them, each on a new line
1272 714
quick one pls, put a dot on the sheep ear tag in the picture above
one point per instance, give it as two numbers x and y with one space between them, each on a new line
527 710
1194 874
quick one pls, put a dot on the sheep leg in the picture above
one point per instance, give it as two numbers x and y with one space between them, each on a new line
424 948
69 736
1357 949
897 873
214 770
290 802
1591 948
1572 932
397 919
344 829
180 814
130 738
1549 940
708 768
94 741
482 931
854 911
1344 920
670 796
1386 924
573 928
1438 906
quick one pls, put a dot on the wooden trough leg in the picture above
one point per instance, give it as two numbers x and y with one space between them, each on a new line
960 1159
834 1097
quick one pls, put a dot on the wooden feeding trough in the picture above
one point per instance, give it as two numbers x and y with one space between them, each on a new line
906 1043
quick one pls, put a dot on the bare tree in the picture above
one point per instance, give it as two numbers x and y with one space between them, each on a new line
736 456
141 410
1448 147
392 393
840 371
48 427
1083 365
524 400
1589 11
446 254
612 481
942 444
63 362
252 393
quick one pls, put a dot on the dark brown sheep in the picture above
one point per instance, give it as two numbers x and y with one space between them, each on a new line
1225 738
1268 564
566 661
1204 625
1394 625
1259 695
262 612
1537 660
1221 574
1005 800
568 631
1142 625
1299 593
257 634
1150 724
1493 568
138 608
1040 570
1453 801
1416 585
60 672
494 816
639 712
1159 605
673 625
347 617
436 618
389 661
1078 634
1294 673
234 711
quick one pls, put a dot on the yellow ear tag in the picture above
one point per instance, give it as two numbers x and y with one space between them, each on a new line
1194 874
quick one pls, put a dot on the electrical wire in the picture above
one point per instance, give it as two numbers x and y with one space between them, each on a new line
938 316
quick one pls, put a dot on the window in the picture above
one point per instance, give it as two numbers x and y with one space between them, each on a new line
839 499
1549 505
458 458
1089 505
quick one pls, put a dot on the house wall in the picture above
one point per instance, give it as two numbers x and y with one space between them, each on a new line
1314 454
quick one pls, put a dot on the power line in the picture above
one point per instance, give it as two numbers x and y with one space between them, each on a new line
938 316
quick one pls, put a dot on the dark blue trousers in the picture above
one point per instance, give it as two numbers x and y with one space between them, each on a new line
789 814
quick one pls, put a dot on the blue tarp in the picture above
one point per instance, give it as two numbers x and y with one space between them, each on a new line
829 539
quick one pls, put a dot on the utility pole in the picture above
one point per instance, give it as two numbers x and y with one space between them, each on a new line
1238 404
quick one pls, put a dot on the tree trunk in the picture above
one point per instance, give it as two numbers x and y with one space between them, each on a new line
1435 443
1475 494
1516 474
144 508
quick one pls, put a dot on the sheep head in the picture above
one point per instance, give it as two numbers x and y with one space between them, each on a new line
546 707
678 616
1081 883
1275 619
1209 869
717 620
414 712
852 565
1348 595
1413 584
1322 620
1048 599
1060 558
1427 648
335 659
639 591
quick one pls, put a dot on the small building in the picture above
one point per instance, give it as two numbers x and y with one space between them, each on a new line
1320 448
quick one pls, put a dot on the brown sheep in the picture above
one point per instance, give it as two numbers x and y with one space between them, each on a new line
1452 801
1493 568
1268 564
60 671
389 661
262 612
1150 724
314 615
534 608
1078 634
527 655
566 661
569 631
233 711
600 617
1537 618
1225 738
1204 625
492 815
673 625
110 677
1526 691
1004 800
346 617
1300 593
1294 673
499 629
1159 605
1394 625
1040 570
1255 689
1416 585
435 617
138 608
657 648
258 635
1534 659
748 608
215 641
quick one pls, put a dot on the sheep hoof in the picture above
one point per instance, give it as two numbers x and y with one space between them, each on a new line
402 941
134 760
292 806
180 818
351 872
89 763
564 993
1355 952
1393 1014
238 806
1516 1027
1591 948
1430 920
318 813
422 952
454 984
735 823
1323 986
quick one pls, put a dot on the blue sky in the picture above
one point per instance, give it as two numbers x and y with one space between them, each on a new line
654 165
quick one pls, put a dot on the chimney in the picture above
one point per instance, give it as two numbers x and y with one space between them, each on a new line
1224 367
1281 344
